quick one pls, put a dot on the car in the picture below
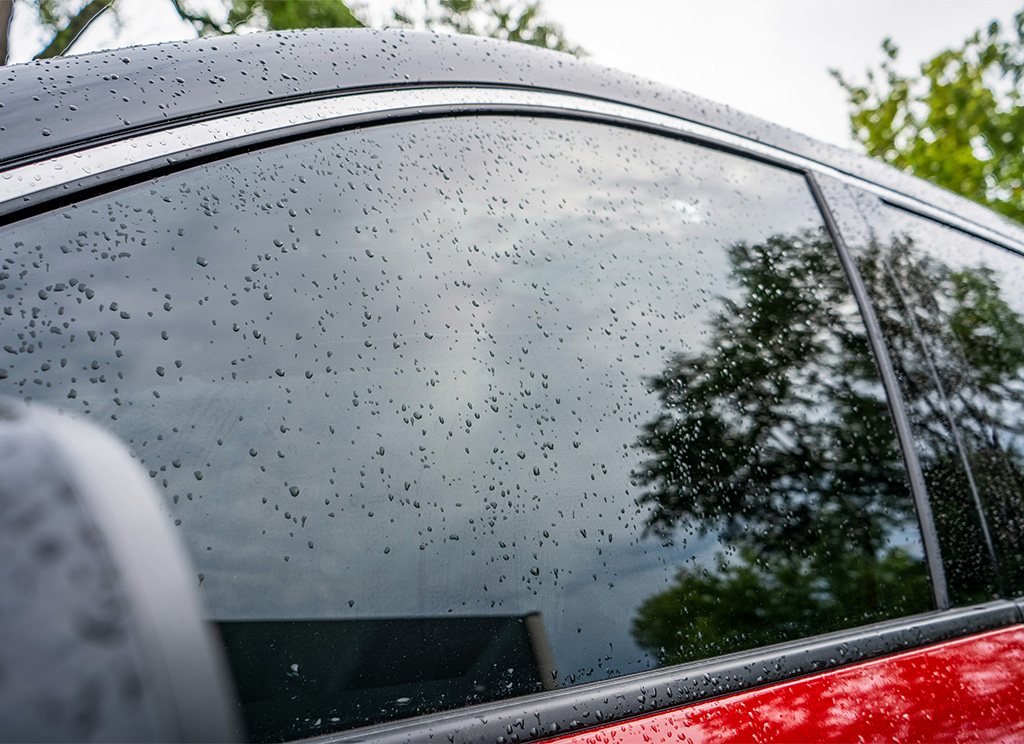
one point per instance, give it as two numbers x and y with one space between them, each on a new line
494 396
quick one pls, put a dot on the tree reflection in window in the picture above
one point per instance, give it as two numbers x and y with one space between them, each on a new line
779 440
958 347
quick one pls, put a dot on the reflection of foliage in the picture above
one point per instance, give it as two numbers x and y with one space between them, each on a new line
989 332
975 340
782 428
975 347
754 603
779 440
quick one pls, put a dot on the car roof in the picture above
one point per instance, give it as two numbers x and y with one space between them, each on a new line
59 105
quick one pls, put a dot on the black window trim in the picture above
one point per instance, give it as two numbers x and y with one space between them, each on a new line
901 421
601 704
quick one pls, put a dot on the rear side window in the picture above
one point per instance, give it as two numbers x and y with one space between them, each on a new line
450 411
952 309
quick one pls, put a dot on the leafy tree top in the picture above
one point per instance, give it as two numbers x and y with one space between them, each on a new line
958 124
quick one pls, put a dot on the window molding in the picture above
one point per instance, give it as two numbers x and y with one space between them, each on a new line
29 186
901 421
576 709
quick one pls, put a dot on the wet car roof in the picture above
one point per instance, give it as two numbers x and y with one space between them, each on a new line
58 105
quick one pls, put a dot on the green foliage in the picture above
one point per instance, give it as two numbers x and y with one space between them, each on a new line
269 14
515 21
959 124
68 19
512 21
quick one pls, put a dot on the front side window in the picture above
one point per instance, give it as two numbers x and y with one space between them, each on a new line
450 411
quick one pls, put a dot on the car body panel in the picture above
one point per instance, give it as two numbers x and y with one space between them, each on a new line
962 690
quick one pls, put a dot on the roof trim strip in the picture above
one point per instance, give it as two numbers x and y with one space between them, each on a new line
22 182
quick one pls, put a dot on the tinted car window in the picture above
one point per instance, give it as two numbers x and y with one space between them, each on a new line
455 410
951 308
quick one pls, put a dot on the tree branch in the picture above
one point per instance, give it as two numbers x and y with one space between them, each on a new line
76 24
204 24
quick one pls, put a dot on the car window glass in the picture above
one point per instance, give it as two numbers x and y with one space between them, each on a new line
951 308
455 410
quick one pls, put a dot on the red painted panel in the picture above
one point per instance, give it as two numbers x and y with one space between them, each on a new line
971 689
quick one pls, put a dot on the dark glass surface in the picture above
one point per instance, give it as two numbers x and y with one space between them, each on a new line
951 307
606 391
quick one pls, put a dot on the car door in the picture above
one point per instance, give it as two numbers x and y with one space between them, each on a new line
508 417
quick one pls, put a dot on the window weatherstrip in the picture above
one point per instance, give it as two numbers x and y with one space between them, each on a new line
600 704
170 145
904 433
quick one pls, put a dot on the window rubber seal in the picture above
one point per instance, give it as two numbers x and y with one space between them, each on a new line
601 704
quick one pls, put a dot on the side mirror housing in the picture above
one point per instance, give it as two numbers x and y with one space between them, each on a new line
102 634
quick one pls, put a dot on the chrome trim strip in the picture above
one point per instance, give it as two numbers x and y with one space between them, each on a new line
64 169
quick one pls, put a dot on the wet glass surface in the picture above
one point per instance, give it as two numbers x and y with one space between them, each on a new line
951 308
498 404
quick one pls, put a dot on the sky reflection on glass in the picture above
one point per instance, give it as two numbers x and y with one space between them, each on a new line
405 372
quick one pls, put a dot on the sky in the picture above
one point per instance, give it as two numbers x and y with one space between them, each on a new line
770 58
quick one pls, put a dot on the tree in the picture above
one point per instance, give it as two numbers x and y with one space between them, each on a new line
270 14
518 21
515 20
959 124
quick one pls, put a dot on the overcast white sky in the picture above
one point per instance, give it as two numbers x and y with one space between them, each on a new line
766 57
